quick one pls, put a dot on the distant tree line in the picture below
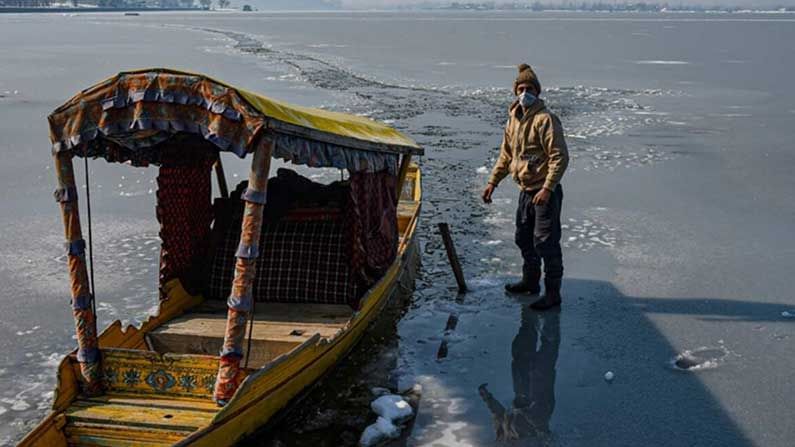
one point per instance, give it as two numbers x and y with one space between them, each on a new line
26 3
166 4
598 6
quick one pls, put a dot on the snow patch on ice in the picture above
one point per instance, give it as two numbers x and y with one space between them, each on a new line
490 243
16 404
457 405
327 45
661 62
392 407
53 360
382 430
392 410
585 234
485 282
496 220
700 359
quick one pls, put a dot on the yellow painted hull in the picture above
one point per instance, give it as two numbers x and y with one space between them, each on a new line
182 412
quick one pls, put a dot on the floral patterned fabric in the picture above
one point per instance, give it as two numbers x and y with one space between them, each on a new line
125 117
137 110
184 210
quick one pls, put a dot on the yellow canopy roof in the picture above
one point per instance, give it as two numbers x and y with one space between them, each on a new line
138 108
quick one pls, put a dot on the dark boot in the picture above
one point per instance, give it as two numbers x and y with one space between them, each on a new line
551 297
528 284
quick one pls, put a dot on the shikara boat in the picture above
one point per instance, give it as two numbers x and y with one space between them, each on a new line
263 290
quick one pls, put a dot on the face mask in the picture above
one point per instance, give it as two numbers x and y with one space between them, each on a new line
527 99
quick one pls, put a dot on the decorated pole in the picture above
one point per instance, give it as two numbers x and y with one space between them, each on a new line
85 319
240 301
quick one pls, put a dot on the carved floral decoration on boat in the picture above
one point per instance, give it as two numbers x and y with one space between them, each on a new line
188 382
160 380
132 377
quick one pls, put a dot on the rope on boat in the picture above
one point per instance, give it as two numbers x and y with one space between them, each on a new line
90 236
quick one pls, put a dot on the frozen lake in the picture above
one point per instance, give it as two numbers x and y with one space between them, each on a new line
678 208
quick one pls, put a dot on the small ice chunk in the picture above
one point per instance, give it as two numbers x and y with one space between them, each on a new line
52 361
483 170
489 243
20 405
382 430
392 407
786 314
609 376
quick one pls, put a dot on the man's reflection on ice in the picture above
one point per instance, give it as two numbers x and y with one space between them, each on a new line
535 354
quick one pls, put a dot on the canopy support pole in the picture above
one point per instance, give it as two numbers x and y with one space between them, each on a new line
219 174
405 162
240 303
85 319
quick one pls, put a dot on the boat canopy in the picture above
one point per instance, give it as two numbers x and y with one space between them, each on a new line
125 117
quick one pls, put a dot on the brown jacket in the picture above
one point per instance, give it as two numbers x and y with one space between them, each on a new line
533 149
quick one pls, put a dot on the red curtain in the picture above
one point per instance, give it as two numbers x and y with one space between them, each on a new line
372 223
184 210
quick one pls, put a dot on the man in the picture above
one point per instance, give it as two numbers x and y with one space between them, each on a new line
534 152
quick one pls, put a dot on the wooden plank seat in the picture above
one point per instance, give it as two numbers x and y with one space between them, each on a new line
278 328
135 420
150 399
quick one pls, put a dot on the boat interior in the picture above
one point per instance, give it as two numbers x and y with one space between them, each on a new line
277 329
288 313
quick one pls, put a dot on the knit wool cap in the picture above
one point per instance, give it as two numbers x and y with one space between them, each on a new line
526 76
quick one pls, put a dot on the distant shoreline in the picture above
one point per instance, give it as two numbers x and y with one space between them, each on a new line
90 10
558 9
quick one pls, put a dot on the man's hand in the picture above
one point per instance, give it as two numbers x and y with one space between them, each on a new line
487 193
541 197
